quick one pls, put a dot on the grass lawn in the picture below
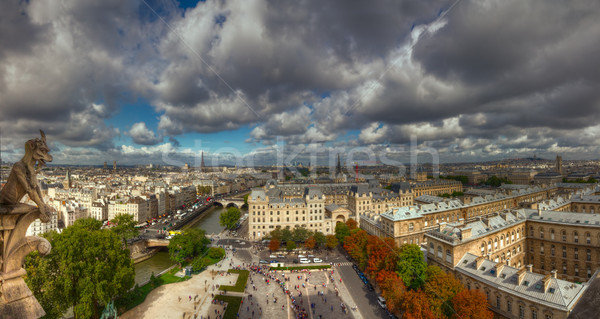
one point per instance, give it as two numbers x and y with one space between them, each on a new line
301 267
233 305
240 284
137 296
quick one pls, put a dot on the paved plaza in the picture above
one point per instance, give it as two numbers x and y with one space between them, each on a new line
269 294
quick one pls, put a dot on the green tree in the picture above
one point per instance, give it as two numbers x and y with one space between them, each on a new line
276 234
216 253
246 201
200 263
320 238
286 235
290 245
300 234
495 181
187 245
332 241
124 227
341 231
86 268
411 266
230 218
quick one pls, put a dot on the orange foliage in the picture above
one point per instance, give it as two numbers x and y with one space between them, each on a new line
356 246
392 288
274 244
352 224
440 288
310 243
471 304
415 305
381 256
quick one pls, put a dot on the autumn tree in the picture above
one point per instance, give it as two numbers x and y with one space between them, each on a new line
383 254
274 244
351 223
470 304
310 243
440 289
341 231
411 266
356 246
332 241
392 288
415 305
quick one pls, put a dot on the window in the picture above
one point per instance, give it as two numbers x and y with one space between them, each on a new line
564 268
533 314
552 234
531 231
508 306
431 248
564 235
521 312
588 238
497 301
564 252
448 255
541 233
575 237
552 250
576 253
542 248
439 253
495 243
577 270
548 316
411 227
588 256
482 249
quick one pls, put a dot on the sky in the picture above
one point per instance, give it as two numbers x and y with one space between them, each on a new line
259 82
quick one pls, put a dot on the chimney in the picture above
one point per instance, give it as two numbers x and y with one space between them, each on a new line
521 275
479 261
529 268
553 273
546 281
498 268
465 233
539 211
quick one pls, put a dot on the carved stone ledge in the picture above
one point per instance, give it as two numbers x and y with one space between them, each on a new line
16 299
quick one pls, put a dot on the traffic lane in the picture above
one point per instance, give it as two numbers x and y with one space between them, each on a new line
236 243
365 300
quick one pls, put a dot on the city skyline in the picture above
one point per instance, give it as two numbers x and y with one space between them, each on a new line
161 82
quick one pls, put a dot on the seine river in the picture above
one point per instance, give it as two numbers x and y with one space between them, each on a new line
159 262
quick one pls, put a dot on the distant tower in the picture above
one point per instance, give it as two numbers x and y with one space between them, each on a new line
202 162
559 168
338 168
356 173
67 182
105 166
114 165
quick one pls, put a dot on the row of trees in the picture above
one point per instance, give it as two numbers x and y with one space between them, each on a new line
87 267
411 287
300 235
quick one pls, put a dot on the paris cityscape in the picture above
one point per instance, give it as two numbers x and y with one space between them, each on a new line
312 159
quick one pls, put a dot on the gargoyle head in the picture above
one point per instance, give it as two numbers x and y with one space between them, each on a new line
38 150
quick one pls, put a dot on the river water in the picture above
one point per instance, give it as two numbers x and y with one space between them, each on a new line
159 262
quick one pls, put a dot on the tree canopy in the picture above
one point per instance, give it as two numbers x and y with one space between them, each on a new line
124 227
187 245
411 266
320 238
230 218
300 234
471 304
87 267
341 231
274 244
496 181
332 241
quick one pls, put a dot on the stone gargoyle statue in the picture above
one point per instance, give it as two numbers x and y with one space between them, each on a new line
16 299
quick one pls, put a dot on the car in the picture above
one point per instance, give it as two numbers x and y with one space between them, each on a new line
263 262
274 261
318 260
381 301
311 256
295 261
301 256
272 256
280 256
304 261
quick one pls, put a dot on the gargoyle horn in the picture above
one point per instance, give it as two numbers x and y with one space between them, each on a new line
43 135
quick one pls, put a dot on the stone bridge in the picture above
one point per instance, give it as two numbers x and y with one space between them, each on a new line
150 243
231 201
